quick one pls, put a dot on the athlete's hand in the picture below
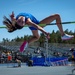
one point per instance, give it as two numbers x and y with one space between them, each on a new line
48 36
13 19
12 15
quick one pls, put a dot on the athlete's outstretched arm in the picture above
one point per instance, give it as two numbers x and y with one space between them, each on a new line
30 23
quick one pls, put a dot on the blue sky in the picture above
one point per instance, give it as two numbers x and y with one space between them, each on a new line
40 9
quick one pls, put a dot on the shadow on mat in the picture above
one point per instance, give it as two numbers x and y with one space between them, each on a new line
13 67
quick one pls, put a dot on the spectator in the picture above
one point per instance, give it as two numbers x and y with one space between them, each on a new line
9 57
73 56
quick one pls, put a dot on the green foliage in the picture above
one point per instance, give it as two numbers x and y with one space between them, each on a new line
55 37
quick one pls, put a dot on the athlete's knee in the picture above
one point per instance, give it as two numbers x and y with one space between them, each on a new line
57 15
37 37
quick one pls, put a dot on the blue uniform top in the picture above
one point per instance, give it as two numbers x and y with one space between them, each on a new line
28 15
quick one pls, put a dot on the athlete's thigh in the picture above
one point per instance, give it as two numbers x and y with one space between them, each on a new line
35 33
48 19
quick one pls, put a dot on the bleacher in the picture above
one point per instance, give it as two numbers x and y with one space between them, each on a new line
52 47
50 59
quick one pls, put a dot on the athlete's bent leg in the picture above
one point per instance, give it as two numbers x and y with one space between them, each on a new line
34 38
58 22
52 18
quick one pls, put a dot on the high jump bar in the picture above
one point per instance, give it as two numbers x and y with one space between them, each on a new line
71 22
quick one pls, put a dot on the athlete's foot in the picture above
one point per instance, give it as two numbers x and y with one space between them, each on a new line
23 46
67 37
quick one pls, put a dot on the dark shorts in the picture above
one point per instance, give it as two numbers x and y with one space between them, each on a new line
32 28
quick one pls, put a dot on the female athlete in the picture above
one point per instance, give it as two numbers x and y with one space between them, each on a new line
23 19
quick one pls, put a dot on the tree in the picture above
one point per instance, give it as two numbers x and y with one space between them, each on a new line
42 39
